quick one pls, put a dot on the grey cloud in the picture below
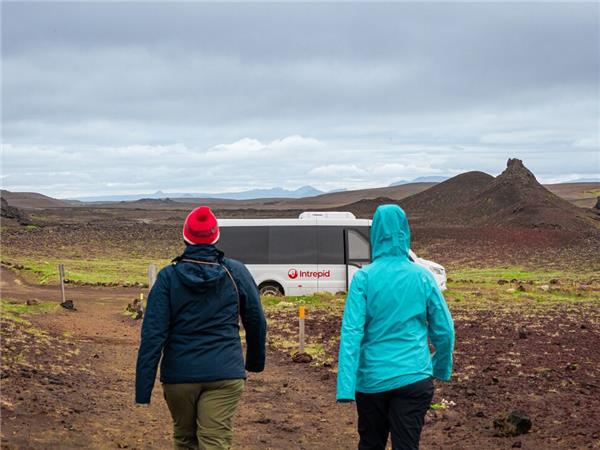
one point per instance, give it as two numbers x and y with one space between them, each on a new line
87 86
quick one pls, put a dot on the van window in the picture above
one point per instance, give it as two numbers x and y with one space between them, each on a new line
292 245
358 246
331 245
249 245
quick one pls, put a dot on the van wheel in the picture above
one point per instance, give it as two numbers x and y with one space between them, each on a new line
270 288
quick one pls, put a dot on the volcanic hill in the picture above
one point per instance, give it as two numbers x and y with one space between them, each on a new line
514 199
446 202
31 200
442 200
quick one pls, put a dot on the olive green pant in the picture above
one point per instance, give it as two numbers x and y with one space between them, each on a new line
203 413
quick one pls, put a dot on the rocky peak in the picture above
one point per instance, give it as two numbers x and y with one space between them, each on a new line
516 172
514 163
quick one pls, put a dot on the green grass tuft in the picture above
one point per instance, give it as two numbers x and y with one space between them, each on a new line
89 271
317 299
13 311
436 406
493 274
11 306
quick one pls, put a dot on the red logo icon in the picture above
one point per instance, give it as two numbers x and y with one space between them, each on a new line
293 274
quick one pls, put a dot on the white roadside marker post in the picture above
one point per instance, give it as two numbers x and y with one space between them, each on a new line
151 276
151 281
61 273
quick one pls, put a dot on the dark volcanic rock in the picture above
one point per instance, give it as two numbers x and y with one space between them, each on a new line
12 212
136 308
302 358
68 304
523 333
513 424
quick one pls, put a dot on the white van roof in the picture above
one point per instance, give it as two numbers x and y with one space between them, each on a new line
329 221
326 215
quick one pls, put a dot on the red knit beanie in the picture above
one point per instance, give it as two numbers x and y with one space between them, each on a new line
201 227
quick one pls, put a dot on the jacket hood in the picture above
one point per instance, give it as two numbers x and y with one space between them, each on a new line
390 233
200 277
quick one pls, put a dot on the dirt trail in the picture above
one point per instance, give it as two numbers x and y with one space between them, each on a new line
15 287
91 404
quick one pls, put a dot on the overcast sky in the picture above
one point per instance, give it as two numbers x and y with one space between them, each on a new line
101 98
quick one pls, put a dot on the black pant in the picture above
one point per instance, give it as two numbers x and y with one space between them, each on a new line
400 410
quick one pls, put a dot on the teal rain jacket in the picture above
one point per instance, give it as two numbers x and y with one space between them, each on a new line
393 307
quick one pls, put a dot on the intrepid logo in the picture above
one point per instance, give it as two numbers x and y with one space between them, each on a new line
293 274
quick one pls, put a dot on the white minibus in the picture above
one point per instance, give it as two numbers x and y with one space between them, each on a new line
319 251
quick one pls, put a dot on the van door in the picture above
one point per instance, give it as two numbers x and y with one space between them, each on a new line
357 252
332 269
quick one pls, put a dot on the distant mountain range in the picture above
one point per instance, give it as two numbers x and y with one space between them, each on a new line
584 180
276 192
431 179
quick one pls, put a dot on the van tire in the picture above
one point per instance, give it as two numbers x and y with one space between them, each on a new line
270 288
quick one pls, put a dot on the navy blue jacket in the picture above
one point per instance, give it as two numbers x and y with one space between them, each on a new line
192 320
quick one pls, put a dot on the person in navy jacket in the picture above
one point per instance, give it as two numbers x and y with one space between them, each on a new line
192 321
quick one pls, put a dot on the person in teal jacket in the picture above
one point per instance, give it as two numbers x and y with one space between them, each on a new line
393 309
